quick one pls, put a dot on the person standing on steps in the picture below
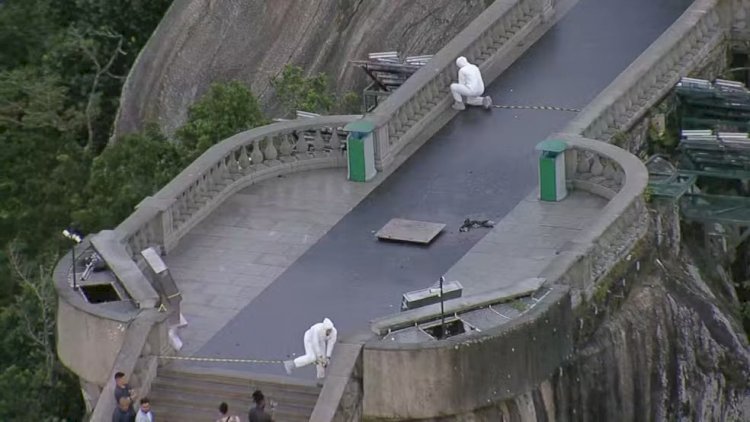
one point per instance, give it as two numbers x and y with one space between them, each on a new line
470 85
124 411
258 413
122 389
144 412
224 411
319 341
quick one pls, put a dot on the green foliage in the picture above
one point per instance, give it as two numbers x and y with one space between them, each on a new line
119 182
225 110
299 92
35 128
34 375
62 65
350 103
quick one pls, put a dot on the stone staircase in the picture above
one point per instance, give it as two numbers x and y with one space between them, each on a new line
193 394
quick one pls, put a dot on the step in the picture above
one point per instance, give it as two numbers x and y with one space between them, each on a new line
240 378
209 400
200 414
232 390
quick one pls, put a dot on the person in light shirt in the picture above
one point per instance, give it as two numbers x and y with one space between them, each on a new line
144 412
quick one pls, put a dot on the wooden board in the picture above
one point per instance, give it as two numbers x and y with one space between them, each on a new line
422 232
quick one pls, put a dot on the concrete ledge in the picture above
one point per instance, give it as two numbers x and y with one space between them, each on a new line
644 67
593 188
134 343
467 372
341 397
382 326
113 252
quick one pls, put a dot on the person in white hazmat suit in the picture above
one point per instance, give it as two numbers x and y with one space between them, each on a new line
470 85
319 341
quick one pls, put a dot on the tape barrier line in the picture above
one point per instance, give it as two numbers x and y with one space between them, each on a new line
224 360
546 108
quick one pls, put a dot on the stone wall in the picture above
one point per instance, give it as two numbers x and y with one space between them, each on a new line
479 370
420 381
95 341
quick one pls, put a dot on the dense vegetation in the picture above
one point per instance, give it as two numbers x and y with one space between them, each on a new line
62 66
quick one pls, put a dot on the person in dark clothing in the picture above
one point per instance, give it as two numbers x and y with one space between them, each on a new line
123 412
122 389
258 413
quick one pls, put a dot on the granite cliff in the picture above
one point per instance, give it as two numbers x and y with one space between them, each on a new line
202 41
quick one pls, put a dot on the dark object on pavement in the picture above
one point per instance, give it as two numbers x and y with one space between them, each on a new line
475 224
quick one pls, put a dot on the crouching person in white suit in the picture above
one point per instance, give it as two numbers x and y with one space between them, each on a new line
319 341
470 85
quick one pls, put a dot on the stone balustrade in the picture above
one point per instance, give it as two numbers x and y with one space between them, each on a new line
127 337
407 118
489 41
680 50
243 159
504 361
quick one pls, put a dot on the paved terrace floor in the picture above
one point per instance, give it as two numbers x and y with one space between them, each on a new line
480 164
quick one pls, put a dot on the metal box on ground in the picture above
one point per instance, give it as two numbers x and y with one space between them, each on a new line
552 170
360 151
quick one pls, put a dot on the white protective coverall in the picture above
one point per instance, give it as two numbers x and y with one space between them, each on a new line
470 85
318 346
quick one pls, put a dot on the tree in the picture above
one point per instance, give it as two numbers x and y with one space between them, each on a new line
298 92
225 110
124 174
33 383
37 137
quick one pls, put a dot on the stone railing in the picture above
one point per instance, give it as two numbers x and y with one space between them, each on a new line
678 51
492 41
144 341
489 366
233 164
99 340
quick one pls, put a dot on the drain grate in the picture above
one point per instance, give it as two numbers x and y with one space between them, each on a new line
100 293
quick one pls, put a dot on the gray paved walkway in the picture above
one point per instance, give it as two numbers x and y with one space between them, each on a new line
480 164
235 253
524 242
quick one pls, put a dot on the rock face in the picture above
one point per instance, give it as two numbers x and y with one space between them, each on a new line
670 351
202 41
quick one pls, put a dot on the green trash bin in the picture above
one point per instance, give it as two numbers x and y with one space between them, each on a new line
360 151
552 170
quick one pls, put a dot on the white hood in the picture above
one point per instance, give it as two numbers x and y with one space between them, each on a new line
461 62
327 324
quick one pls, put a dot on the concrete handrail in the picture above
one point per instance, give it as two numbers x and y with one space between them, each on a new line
226 167
404 114
537 341
620 213
161 220
699 30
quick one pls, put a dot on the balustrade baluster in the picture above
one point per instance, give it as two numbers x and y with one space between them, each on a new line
335 141
318 143
256 156
285 147
244 162
234 164
302 147
269 152
392 138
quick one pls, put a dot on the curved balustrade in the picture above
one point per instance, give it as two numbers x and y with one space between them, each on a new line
678 51
231 165
417 103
